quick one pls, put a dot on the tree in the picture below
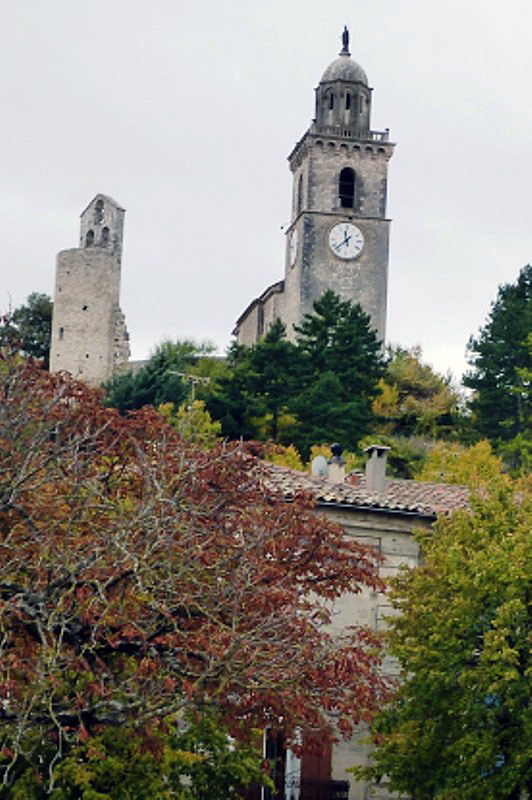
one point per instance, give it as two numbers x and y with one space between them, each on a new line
252 396
499 358
141 578
191 761
193 422
319 389
159 380
460 725
341 364
29 327
415 400
470 466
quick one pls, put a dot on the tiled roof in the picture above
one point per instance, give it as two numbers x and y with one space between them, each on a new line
406 496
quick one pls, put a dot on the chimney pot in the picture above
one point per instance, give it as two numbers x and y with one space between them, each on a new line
336 464
376 467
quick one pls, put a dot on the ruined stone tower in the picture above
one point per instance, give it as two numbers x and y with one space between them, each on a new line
89 335
338 233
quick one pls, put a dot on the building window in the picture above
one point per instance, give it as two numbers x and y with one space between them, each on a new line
346 187
347 101
331 101
89 238
105 236
61 333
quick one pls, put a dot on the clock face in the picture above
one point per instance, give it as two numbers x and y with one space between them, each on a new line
292 248
346 240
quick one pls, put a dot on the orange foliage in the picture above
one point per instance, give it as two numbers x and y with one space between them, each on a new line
140 575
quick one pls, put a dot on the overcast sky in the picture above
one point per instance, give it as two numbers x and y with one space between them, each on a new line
184 112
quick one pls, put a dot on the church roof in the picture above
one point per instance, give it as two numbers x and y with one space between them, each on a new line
104 197
344 68
399 496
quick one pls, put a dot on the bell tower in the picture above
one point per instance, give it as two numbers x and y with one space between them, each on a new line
338 236
89 334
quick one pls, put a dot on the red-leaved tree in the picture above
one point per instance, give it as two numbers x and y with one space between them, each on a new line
140 577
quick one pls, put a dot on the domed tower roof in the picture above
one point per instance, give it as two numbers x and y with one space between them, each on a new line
344 68
343 97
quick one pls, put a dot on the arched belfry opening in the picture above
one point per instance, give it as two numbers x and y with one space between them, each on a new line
89 238
346 187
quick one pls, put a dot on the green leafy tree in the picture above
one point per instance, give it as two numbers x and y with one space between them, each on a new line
194 760
500 361
29 328
460 727
193 422
160 380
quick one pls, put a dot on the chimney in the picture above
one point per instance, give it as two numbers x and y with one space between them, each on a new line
336 464
376 467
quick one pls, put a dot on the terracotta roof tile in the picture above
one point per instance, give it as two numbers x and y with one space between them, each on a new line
408 496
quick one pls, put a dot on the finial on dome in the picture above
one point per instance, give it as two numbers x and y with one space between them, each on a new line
345 42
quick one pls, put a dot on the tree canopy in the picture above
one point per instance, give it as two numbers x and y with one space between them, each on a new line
160 380
415 400
318 389
460 727
500 358
141 577
29 327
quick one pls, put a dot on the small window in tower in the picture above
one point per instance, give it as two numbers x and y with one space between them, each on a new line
61 333
300 194
347 101
89 238
98 212
346 187
84 308
105 236
360 104
331 101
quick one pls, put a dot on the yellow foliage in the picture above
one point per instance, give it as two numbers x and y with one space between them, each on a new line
193 422
283 456
453 463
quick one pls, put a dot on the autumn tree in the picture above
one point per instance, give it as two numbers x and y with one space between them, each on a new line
460 725
450 462
142 578
415 399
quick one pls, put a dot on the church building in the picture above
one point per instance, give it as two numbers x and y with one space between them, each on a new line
338 236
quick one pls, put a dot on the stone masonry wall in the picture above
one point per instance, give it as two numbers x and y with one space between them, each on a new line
89 337
391 535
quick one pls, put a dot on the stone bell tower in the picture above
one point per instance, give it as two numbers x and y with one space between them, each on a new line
89 335
338 236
